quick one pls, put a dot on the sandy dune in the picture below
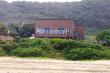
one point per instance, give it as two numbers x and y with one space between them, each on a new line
18 65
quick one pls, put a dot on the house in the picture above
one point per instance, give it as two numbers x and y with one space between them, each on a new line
6 38
58 28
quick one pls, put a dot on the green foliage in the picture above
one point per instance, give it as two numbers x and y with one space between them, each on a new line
91 13
3 29
2 52
86 54
14 29
27 30
56 43
61 45
26 43
104 37
32 52
22 30
8 46
90 38
55 48
105 54
33 47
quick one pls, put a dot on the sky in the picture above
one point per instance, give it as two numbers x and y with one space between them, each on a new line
45 0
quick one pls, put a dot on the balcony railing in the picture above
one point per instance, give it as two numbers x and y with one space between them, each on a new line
40 31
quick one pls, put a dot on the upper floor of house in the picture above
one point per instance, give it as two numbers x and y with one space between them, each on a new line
54 26
57 28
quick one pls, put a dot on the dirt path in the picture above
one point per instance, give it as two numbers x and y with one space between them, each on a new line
17 65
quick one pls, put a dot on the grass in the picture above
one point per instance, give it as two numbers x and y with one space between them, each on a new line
94 60
90 38
39 58
46 58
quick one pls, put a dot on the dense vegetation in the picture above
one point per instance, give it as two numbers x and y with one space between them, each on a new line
93 14
54 48
16 30
104 38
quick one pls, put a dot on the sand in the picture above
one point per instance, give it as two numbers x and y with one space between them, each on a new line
21 65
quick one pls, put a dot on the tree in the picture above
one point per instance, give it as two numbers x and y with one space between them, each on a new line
3 29
104 37
14 29
27 30
94 14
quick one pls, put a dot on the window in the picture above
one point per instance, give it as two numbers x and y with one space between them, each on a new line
61 30
68 31
46 30
39 30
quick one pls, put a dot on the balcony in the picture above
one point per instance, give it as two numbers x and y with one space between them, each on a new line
53 33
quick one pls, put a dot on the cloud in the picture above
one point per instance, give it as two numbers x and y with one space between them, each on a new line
45 0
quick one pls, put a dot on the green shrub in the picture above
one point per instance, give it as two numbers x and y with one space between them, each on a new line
2 52
56 43
57 40
27 43
89 45
105 54
61 45
85 54
9 46
32 52
71 49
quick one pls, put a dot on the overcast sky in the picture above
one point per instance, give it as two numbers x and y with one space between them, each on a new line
45 0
